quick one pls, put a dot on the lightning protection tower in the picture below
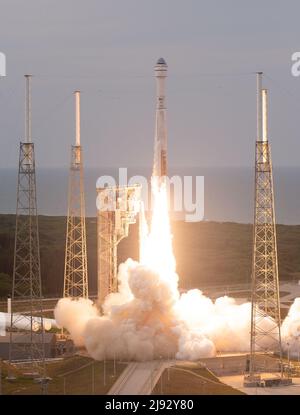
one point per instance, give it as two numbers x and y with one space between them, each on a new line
265 312
76 274
27 331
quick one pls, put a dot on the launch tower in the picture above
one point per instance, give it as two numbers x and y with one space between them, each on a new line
26 268
265 312
117 209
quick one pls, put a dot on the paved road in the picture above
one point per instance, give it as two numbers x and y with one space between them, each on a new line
139 378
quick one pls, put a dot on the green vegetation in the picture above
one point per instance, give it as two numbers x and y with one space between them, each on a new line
207 253
52 245
191 379
72 376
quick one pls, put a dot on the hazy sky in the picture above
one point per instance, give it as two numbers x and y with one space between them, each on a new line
107 48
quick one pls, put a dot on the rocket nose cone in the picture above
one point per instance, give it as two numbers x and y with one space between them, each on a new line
161 61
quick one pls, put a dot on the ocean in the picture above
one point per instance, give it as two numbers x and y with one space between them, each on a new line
228 191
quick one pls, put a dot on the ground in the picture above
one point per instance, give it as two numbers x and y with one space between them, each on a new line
188 378
70 376
236 381
221 375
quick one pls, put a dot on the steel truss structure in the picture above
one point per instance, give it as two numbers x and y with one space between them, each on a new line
76 271
26 269
265 321
117 209
265 310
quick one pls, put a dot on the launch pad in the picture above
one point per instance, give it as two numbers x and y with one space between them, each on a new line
266 381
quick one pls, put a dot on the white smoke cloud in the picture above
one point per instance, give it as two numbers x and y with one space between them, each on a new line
147 319
75 316
223 322
290 329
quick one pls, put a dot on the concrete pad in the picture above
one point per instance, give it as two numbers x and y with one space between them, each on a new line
237 382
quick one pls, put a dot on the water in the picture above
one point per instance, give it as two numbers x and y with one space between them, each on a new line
228 191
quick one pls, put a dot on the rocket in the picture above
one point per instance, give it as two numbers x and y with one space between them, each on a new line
160 139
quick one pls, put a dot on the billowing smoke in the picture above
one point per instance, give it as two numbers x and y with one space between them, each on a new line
149 319
146 319
290 330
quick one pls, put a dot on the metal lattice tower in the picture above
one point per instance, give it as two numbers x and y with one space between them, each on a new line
265 313
76 273
26 268
117 209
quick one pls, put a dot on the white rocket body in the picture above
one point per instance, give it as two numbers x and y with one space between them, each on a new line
160 140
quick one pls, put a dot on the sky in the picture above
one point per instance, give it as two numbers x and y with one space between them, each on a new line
108 49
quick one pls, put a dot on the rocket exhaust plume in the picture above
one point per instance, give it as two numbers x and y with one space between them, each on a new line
148 318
